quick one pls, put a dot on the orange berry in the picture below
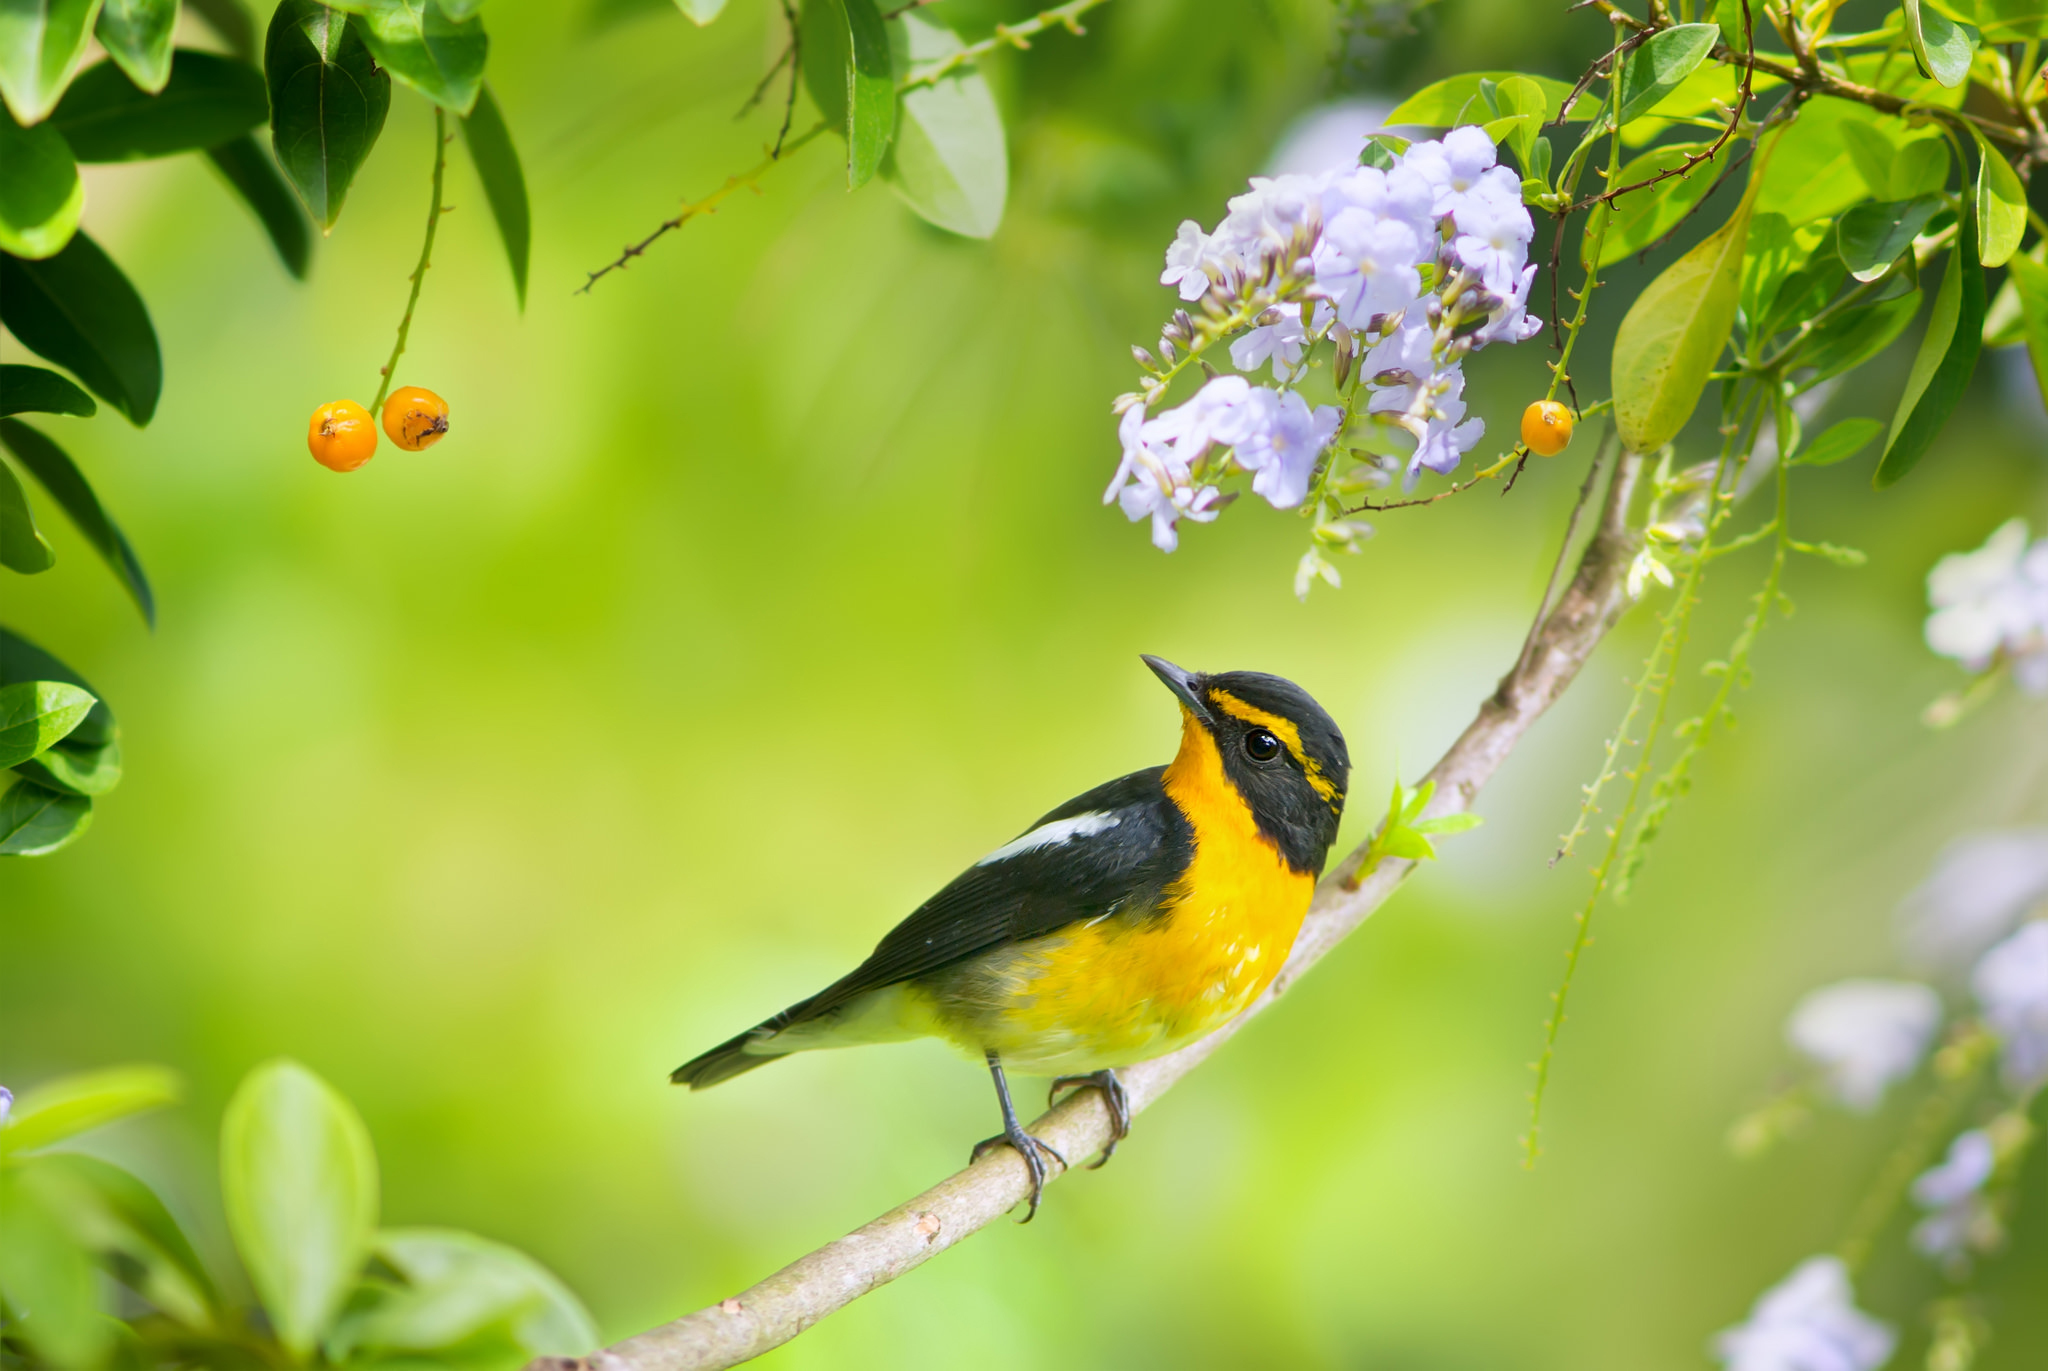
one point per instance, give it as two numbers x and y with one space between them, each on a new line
1547 428
341 435
415 418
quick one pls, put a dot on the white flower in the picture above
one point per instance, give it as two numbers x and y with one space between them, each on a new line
1186 257
1865 1035
1981 886
2011 984
1807 1322
1954 1191
1993 599
1279 439
1282 341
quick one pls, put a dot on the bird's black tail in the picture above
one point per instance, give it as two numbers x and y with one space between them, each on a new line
732 1058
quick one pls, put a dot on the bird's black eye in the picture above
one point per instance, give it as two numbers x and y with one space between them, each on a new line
1261 746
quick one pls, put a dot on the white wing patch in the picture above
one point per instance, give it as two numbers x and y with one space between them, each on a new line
1052 834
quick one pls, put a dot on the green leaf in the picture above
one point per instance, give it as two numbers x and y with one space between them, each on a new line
208 100
328 99
1807 290
949 162
1813 173
252 172
1838 443
60 476
111 1214
1847 340
88 762
299 1182
2030 281
701 12
37 390
78 310
848 73
70 1105
230 20
1871 237
22 545
41 44
1449 823
458 1284
1766 261
1457 100
497 166
1408 843
35 715
1942 48
36 821
1947 356
48 1279
1675 331
1642 217
41 194
2001 203
1872 152
424 48
137 34
1657 67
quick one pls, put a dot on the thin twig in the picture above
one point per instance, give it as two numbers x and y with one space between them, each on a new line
419 273
813 1287
796 71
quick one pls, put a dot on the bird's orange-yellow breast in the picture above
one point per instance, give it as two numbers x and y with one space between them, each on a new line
1119 990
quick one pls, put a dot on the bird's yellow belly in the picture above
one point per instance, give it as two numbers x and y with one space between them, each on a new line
1129 987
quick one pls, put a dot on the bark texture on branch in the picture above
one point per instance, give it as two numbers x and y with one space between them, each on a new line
769 1314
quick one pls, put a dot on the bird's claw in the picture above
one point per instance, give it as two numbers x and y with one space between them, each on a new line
1034 1151
1114 1096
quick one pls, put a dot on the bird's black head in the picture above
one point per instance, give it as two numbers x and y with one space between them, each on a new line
1276 747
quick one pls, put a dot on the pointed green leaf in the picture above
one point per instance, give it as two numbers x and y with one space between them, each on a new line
1656 67
949 162
38 390
1872 152
299 1182
252 173
36 715
88 761
2030 281
1641 217
36 821
41 195
1838 443
41 44
78 310
1941 47
1871 237
137 34
328 99
2001 203
1406 842
67 485
48 1278
701 12
497 166
69 1105
1947 357
1847 340
458 1284
1450 823
848 71
1456 100
22 545
120 1220
1767 259
1675 331
422 47
208 99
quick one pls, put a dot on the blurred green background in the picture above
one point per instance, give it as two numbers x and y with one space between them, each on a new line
759 591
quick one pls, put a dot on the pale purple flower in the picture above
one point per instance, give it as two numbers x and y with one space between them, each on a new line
1279 439
2011 985
1807 1322
6 1104
1494 230
1453 167
1184 433
1167 506
1400 363
1186 258
1512 322
1953 1191
1865 1035
1447 434
1981 887
1282 342
1367 265
1992 600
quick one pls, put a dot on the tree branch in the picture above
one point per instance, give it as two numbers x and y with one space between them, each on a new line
809 1289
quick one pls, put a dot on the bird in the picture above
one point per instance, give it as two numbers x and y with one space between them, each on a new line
1134 919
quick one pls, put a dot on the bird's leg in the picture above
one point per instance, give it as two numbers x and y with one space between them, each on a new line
1029 1148
1113 1095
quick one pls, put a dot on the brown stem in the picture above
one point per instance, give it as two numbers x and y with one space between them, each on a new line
811 1288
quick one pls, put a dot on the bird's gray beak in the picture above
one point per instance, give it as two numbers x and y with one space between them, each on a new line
1182 684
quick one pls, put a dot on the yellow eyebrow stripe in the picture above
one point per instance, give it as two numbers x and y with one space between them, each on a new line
1288 734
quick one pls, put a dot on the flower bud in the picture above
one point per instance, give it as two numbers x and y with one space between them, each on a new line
1183 324
1166 349
1144 358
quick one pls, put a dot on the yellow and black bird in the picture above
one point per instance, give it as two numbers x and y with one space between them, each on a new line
1130 921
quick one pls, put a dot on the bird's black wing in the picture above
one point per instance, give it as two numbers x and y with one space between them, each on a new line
1127 864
